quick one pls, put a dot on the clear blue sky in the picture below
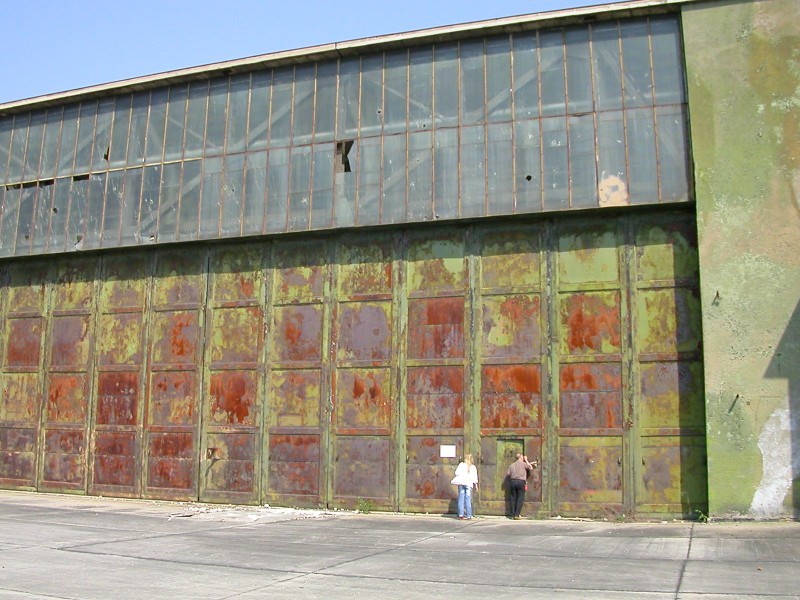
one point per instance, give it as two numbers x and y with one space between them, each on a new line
49 46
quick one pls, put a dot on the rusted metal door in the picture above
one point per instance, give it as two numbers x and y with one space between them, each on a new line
232 414
511 345
298 387
21 397
590 311
119 387
175 343
670 415
436 367
364 373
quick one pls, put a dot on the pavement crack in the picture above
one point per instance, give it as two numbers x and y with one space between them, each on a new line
685 563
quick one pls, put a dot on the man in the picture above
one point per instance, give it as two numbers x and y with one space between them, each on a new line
518 474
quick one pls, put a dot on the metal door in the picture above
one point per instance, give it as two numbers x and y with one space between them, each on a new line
232 413
298 384
21 396
364 372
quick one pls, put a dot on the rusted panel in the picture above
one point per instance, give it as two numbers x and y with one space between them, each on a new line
117 398
668 321
238 275
437 264
74 285
17 455
235 335
175 336
301 272
436 328
511 397
667 251
294 464
510 258
427 475
179 279
591 396
24 336
69 341
119 340
365 268
26 288
115 458
123 282
20 398
435 398
670 467
591 473
20 402
590 323
233 398
590 254
173 398
364 331
298 333
64 458
511 326
364 399
361 467
230 463
672 396
67 398
294 398
172 461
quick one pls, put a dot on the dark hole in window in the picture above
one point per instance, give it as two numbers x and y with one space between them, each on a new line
528 177
55 210
46 182
107 152
342 164
80 177
29 184
14 186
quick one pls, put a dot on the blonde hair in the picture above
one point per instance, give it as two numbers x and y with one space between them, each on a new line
468 459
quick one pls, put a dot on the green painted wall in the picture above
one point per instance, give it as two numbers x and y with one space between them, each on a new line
743 75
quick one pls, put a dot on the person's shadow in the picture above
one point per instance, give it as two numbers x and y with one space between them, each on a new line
506 487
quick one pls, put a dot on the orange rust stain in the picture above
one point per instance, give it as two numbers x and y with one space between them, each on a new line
229 398
181 345
589 322
426 489
517 309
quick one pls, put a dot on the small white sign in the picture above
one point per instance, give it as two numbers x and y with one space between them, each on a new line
447 451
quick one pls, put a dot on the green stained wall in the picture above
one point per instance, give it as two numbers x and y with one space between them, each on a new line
743 75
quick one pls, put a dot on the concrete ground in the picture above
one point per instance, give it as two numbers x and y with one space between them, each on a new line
76 547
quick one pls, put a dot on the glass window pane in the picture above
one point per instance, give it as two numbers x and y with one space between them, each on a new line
66 147
420 176
445 174
151 189
119 131
579 71
636 63
445 103
189 214
667 60
371 95
277 190
500 182
606 65
498 79
672 154
176 122
210 197
640 137
393 201
347 118
395 101
369 182
280 118
237 113
6 127
300 189
303 104
52 133
420 103
156 125
169 200
217 116
325 106
102 135
255 192
83 151
138 131
94 211
196 119
78 205
322 194
19 139
34 150
41 221
258 123
553 80
554 159
131 201
344 210
113 208
526 75
8 231
27 204
473 83
527 167
473 176
611 165
232 184
582 174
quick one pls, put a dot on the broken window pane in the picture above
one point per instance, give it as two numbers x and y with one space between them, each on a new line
176 118
611 166
395 95
445 77
420 89
473 83
344 210
277 190
41 220
258 126
554 155
156 125
371 94
499 168
325 106
473 175
551 45
237 113
393 201
527 167
78 205
579 71
300 189
27 201
189 214
255 192
526 76
498 79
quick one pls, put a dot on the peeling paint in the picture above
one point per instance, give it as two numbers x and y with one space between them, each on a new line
777 465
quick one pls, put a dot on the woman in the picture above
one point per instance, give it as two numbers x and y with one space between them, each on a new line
466 478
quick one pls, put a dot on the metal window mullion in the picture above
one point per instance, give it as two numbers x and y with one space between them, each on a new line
539 119
653 108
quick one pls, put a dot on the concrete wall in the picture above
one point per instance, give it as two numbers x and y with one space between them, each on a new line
743 73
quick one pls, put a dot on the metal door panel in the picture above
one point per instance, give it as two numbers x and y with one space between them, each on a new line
670 481
672 397
428 475
70 342
361 469
24 337
669 321
119 339
511 398
591 396
294 465
364 401
436 328
175 339
19 417
364 332
115 459
590 323
230 467
298 333
294 398
436 264
64 464
435 399
511 326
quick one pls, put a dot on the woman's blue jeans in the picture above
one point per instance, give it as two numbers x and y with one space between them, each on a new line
465 501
